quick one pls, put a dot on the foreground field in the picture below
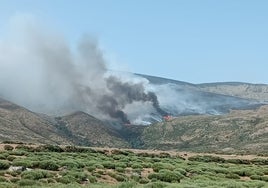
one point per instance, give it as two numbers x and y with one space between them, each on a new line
70 166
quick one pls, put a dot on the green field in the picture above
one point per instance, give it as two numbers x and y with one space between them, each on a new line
70 166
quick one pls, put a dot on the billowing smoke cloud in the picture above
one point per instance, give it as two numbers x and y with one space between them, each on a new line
40 71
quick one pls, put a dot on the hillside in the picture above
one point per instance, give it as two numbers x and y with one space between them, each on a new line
84 129
20 124
242 130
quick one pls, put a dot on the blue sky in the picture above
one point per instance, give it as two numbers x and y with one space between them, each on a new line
190 40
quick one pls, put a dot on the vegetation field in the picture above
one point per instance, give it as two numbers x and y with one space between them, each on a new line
69 166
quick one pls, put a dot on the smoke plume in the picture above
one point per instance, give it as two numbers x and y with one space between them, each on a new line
38 70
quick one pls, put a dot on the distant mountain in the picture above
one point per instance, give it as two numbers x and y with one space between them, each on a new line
257 92
182 98
243 90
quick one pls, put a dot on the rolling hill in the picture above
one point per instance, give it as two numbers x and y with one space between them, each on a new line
240 130
21 125
222 117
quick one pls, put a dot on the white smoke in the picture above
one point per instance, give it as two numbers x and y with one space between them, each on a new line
39 71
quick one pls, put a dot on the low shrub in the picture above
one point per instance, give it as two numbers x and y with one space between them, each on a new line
156 185
4 156
128 185
49 148
22 162
159 166
26 182
109 165
144 181
255 177
264 178
8 147
232 176
4 165
238 161
48 165
119 169
92 179
118 177
11 158
166 176
2 179
164 155
136 166
36 174
259 161
207 158
66 179
25 148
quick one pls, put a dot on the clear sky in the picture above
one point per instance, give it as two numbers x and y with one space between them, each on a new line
190 40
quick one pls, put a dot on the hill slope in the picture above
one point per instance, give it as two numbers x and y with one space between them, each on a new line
20 124
243 130
87 130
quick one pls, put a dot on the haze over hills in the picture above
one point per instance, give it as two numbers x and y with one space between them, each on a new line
202 123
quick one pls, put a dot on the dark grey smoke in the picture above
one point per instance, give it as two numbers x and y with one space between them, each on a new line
44 74
123 93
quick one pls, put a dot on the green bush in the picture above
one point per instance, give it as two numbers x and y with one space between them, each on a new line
127 185
92 179
264 178
109 165
144 181
69 164
118 177
207 158
166 176
35 174
136 166
14 180
66 179
4 165
181 171
121 152
164 155
259 161
119 169
4 156
2 179
48 165
25 148
49 148
22 162
156 185
232 176
26 182
255 177
238 161
120 164
159 165
11 158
